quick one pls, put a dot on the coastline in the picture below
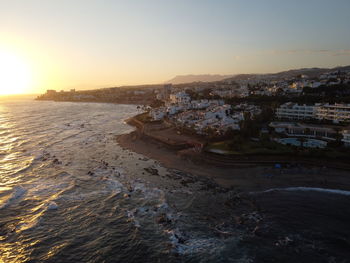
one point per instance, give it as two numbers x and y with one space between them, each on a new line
245 175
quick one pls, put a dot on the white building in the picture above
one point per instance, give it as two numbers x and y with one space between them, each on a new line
334 112
346 138
308 143
200 104
294 111
158 114
315 84
331 112
248 108
304 130
180 97
173 109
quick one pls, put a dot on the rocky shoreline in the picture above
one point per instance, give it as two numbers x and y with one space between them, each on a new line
245 175
269 223
183 144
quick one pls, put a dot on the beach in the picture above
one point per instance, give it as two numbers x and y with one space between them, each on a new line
244 177
289 214
78 195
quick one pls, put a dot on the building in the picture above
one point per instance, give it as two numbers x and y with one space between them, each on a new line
346 137
304 130
167 90
293 111
158 114
180 97
51 92
333 112
308 143
330 112
163 94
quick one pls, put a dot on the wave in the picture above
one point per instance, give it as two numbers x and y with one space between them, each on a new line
33 221
17 193
313 189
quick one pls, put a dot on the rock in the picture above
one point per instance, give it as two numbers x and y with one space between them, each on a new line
56 161
260 231
284 242
185 182
130 189
163 219
151 170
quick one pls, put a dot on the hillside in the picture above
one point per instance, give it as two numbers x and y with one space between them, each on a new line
311 72
197 78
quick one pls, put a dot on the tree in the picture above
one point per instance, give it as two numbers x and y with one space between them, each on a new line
302 140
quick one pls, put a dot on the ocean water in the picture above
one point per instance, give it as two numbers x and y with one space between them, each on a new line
69 193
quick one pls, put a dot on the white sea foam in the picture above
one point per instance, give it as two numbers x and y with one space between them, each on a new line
52 206
114 185
314 189
193 246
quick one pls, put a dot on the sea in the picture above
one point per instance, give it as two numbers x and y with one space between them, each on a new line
70 193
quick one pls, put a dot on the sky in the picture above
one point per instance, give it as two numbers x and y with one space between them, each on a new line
93 43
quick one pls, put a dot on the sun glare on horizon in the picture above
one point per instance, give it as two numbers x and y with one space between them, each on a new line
15 74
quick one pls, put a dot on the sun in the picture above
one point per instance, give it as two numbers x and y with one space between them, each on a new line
15 74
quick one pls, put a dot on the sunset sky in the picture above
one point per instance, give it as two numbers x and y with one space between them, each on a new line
85 44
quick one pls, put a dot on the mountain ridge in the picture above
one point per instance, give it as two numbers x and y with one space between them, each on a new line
190 78
180 79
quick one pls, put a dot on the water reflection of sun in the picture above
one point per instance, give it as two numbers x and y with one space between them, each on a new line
15 75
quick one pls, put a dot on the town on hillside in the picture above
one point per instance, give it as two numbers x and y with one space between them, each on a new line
289 112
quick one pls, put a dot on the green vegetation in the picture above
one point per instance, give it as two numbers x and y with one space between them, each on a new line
340 91
240 146
324 94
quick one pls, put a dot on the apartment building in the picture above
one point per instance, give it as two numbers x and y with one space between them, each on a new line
293 111
346 138
332 112
304 130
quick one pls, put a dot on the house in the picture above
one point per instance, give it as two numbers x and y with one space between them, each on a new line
180 97
200 104
158 114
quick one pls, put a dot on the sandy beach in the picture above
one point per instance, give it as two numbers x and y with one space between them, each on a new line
247 177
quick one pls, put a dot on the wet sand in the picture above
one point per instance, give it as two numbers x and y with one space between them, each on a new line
247 178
